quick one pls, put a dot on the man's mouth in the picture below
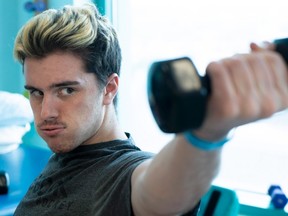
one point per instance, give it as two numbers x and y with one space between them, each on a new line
52 130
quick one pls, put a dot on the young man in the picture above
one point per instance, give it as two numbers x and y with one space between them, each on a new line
71 60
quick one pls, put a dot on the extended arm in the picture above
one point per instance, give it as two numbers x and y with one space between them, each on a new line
245 88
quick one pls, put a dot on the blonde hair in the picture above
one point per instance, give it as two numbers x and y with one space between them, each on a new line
81 30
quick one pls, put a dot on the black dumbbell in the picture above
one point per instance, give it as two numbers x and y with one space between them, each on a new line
278 198
178 95
4 182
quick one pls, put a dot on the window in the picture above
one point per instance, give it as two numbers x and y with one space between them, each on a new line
203 30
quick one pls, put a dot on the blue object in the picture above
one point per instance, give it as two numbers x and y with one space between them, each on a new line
272 188
29 6
202 144
23 165
278 198
38 6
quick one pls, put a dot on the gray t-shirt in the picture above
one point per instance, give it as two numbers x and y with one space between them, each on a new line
90 180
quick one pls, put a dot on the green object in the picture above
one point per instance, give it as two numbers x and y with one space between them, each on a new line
254 203
101 5
104 7
219 202
257 211
12 17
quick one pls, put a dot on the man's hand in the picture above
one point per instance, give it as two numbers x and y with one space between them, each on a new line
245 88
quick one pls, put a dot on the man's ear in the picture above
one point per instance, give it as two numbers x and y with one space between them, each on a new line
111 89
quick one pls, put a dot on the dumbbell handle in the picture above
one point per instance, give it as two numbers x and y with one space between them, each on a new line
178 95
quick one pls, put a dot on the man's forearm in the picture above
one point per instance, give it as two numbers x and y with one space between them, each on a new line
177 178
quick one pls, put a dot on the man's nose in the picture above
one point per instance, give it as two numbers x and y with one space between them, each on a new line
49 108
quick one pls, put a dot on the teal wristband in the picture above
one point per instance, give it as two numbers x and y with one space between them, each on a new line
203 144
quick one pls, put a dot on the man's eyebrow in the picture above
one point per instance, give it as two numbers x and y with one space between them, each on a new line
55 85
65 83
28 87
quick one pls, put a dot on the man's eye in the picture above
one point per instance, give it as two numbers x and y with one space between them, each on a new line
67 91
36 93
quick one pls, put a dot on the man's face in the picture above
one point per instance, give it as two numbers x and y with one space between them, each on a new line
66 102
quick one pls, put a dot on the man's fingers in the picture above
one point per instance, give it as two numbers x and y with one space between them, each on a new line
268 46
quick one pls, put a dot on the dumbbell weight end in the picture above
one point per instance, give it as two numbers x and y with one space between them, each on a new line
177 95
